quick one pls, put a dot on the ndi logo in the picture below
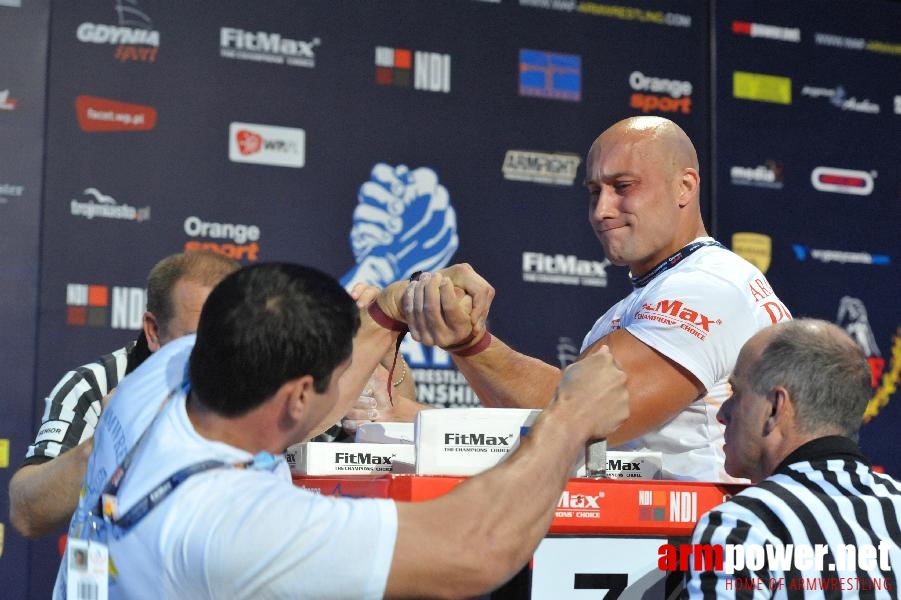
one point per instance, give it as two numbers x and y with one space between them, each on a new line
103 306
428 71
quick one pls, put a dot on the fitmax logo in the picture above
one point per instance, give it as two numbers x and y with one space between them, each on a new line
476 439
676 309
362 458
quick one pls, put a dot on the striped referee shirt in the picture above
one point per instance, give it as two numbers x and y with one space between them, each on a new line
824 496
73 407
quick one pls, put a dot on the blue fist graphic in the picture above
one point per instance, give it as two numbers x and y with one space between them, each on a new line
403 223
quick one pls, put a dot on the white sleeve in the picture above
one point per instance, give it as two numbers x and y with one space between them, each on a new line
698 320
274 540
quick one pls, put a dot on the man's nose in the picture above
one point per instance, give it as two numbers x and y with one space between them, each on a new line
607 205
722 415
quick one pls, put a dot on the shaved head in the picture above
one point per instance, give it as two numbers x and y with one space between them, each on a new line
644 189
669 144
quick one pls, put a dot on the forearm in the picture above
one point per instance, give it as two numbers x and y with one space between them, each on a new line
500 376
480 541
402 381
43 497
372 342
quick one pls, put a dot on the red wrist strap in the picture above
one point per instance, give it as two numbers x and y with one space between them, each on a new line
379 316
475 348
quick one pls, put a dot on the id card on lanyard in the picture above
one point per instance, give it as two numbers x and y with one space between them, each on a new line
87 568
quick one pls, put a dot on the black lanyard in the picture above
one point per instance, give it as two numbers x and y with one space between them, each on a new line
672 260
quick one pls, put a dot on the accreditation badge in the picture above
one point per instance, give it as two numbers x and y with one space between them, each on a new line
87 571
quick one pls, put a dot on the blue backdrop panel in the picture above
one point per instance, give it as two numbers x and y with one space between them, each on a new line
23 44
374 138
807 138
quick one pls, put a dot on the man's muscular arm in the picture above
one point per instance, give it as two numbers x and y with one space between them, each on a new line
500 376
42 497
658 387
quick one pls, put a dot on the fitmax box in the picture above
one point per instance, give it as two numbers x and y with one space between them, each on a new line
623 464
466 441
332 458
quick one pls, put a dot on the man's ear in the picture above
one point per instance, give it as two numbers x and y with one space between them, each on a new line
688 185
151 331
297 393
781 409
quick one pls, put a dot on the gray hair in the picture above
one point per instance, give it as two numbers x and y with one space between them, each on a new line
824 371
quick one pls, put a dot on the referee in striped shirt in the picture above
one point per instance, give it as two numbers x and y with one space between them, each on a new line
799 391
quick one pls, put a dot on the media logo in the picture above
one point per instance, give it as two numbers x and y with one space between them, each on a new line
104 115
102 206
668 95
802 253
266 47
9 190
134 36
242 239
550 75
760 87
266 145
767 175
115 307
564 269
756 248
401 67
770 32
12 4
843 181
541 167
6 102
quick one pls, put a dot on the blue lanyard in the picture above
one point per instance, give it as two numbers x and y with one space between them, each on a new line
672 260
108 505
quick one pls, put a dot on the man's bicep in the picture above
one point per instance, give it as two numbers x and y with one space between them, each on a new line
658 387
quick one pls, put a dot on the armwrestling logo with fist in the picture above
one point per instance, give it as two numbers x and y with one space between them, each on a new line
403 223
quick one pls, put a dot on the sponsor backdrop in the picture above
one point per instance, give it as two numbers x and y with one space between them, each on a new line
376 139
23 79
807 138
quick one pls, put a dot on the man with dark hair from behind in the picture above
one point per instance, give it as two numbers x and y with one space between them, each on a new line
281 352
44 491
799 391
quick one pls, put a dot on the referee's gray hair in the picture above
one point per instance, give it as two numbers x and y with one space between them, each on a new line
824 371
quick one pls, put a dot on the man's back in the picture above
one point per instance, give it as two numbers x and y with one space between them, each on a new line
226 531
827 495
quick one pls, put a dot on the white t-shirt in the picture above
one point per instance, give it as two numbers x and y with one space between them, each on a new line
698 313
225 532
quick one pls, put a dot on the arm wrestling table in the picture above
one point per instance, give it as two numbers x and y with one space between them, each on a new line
604 540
